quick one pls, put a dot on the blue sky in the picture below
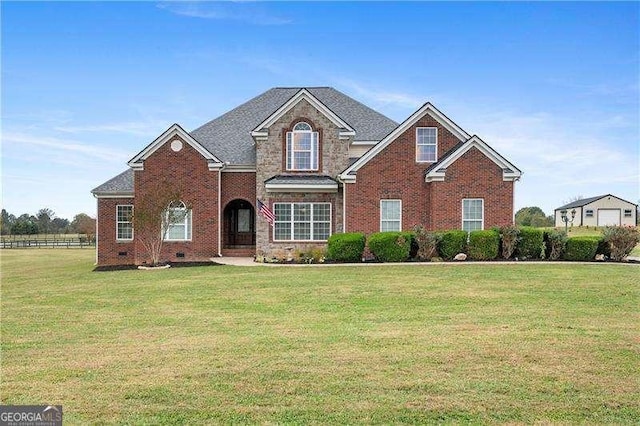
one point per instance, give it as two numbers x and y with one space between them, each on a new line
552 86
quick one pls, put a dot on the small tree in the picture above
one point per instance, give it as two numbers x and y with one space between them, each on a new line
509 236
84 224
155 209
621 240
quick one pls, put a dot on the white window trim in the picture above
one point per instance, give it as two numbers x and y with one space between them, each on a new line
472 220
315 140
188 225
628 213
389 220
588 213
419 144
118 222
292 223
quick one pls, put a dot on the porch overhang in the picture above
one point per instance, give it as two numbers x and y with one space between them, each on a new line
305 183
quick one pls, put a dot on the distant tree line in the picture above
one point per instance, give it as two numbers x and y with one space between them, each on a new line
45 222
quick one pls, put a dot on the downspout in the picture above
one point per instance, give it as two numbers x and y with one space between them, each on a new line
220 210
344 204
97 218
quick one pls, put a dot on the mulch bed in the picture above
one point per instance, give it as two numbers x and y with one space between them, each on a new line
109 268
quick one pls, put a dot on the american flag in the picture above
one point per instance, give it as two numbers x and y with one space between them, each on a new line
266 212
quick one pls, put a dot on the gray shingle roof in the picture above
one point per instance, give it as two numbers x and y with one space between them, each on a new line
301 180
228 137
123 183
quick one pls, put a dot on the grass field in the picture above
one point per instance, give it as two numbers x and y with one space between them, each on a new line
488 343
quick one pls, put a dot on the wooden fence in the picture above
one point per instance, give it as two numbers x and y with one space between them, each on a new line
50 241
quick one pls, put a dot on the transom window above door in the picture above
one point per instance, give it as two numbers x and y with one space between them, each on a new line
302 148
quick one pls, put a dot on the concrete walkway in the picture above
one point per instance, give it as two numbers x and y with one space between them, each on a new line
237 261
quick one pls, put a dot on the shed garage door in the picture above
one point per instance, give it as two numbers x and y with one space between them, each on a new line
608 217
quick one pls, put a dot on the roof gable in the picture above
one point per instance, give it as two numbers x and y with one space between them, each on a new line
437 171
427 108
229 135
303 94
137 162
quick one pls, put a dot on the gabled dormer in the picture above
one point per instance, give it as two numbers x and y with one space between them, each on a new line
177 137
344 129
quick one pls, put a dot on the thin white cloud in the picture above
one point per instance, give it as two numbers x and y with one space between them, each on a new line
248 12
130 128
381 97
559 158
62 145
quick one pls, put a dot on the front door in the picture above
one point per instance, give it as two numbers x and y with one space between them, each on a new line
239 221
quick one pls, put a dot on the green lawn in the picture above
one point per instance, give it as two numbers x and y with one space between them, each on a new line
488 343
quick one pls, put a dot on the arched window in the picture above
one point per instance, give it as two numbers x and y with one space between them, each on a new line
177 223
302 148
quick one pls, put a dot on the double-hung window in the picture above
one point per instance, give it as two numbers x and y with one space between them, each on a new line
628 213
302 221
124 222
426 144
472 214
390 215
588 213
302 148
177 222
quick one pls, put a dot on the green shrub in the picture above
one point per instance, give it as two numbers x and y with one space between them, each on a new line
581 248
484 245
555 243
620 241
509 239
531 243
452 243
390 246
427 243
346 247
603 247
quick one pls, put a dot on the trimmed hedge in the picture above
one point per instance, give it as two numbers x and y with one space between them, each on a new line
390 246
484 245
581 248
452 243
530 243
346 247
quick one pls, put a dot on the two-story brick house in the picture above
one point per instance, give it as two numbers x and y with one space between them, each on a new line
321 162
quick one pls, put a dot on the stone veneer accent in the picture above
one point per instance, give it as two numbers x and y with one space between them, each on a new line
270 159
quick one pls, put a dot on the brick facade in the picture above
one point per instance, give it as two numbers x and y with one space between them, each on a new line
110 250
393 173
199 186
472 176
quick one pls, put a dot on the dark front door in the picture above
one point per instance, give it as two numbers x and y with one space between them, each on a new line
239 222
